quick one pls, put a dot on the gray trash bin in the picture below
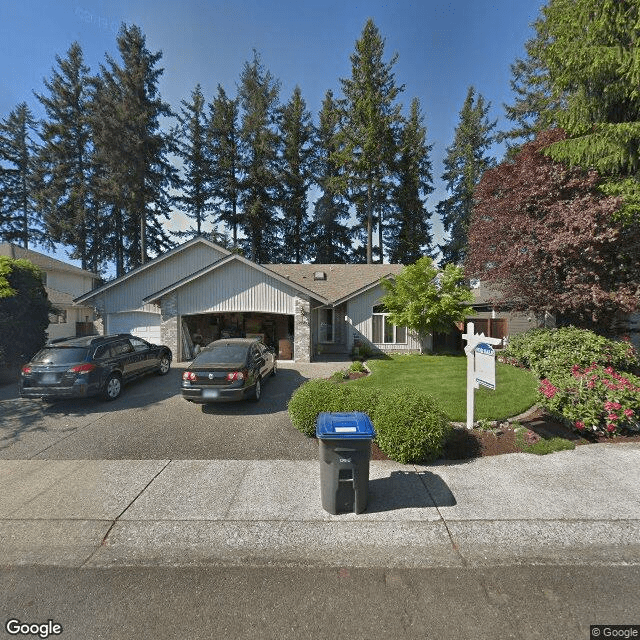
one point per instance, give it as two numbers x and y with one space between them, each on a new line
345 450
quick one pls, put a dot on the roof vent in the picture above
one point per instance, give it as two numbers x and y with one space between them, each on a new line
319 275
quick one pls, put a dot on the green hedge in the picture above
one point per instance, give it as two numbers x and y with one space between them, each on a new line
550 352
410 425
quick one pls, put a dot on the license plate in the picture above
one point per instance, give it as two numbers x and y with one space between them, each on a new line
209 394
49 378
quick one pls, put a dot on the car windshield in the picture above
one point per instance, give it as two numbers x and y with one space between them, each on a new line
61 355
223 354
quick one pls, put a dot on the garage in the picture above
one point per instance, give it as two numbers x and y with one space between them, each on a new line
274 329
142 324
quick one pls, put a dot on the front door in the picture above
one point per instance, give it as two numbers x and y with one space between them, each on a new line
326 326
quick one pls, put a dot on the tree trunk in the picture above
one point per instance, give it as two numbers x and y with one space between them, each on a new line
369 225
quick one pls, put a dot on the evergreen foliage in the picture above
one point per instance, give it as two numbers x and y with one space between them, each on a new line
296 166
259 140
409 233
20 220
65 162
367 148
465 162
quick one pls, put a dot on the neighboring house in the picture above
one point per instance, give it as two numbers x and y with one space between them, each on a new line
63 282
199 292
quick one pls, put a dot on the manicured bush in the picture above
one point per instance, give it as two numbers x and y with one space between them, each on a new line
316 396
550 352
593 399
410 426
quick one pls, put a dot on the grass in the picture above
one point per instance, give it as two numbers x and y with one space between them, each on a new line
445 378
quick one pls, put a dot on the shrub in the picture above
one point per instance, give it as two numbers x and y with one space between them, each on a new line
410 426
594 399
357 366
550 352
316 396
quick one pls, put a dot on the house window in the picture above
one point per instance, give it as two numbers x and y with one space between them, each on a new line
325 325
384 331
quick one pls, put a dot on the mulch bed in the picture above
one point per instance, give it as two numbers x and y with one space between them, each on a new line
477 443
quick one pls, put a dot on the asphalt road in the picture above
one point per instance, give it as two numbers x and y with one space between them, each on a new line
151 420
491 603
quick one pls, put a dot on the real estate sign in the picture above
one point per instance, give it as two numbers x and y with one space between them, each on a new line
485 365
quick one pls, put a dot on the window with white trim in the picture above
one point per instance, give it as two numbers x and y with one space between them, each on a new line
384 331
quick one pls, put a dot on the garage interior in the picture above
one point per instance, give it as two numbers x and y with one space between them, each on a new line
275 330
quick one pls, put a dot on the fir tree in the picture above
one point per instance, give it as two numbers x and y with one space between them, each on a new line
372 115
330 236
259 140
192 148
131 149
297 154
65 163
464 164
410 230
20 220
223 147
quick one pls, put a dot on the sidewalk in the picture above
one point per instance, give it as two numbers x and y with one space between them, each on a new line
572 507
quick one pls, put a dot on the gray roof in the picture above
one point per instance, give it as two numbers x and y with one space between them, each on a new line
46 263
343 280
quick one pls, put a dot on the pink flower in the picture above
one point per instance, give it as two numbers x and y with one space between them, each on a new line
609 370
612 416
576 371
612 405
628 413
611 428
579 425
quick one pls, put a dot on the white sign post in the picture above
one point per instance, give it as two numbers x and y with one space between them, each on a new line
481 366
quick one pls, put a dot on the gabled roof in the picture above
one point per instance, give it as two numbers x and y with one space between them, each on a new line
343 281
46 263
150 264
226 260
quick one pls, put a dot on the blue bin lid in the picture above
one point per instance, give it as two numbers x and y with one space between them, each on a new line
353 425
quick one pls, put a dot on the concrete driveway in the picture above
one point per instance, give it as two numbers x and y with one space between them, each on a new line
152 421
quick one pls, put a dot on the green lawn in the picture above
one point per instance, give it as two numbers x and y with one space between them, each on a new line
445 378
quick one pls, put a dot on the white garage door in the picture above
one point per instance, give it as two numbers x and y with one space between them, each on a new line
138 323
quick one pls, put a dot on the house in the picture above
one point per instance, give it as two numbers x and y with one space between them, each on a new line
199 292
63 282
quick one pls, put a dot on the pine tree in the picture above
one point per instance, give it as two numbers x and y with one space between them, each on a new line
372 116
223 146
330 236
410 230
192 148
131 149
297 155
65 163
259 140
464 164
20 220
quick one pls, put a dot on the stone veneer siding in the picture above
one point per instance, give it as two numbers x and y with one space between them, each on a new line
302 331
169 324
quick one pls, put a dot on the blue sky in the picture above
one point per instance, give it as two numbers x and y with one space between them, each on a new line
443 48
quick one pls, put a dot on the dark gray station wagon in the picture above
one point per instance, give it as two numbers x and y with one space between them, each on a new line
93 365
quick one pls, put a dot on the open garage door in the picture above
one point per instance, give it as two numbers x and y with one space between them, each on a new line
138 323
275 330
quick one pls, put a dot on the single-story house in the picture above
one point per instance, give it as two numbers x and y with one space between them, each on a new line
63 282
199 292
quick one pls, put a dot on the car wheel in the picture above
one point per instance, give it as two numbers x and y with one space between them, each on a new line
113 387
165 363
275 368
257 391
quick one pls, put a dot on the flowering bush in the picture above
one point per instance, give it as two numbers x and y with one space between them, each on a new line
551 352
594 399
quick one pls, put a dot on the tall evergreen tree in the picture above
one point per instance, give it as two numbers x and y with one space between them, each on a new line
132 149
330 236
223 145
259 140
410 230
464 164
192 140
297 156
20 220
65 163
368 139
